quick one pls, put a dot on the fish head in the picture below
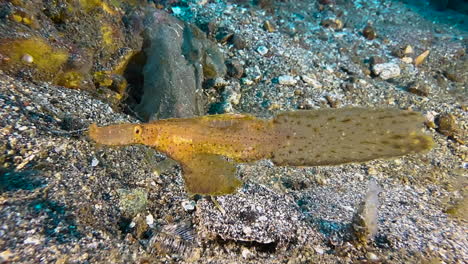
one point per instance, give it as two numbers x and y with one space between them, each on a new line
117 135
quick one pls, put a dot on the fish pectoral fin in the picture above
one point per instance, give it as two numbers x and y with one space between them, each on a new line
209 174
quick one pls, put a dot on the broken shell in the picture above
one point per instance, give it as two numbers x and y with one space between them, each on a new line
420 59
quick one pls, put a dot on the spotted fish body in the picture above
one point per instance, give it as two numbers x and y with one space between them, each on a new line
298 138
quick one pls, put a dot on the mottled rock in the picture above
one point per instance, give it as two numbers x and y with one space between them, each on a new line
447 125
254 214
179 56
418 89
234 68
386 70
168 91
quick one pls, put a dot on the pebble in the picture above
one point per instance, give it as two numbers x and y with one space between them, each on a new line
408 50
311 81
27 58
149 219
247 230
408 60
262 50
246 253
247 81
386 70
319 250
234 68
94 162
369 32
418 89
371 256
287 80
188 205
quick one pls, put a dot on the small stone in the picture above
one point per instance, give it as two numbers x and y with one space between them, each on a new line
287 80
407 60
246 253
246 81
27 58
262 50
418 89
447 125
188 205
408 50
319 250
311 81
149 219
33 241
371 256
369 32
238 42
386 70
234 68
376 60
247 230
94 162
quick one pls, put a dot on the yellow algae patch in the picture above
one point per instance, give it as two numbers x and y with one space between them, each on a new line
103 78
110 37
70 79
107 32
89 5
123 63
46 58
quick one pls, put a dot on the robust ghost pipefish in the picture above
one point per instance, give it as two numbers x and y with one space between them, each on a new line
298 138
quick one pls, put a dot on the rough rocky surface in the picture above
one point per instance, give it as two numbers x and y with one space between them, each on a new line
178 58
64 199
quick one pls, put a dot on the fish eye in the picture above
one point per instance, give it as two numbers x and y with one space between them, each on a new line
137 130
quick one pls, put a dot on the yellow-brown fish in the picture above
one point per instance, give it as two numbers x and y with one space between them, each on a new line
299 138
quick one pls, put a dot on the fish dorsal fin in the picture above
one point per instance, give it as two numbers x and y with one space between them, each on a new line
209 174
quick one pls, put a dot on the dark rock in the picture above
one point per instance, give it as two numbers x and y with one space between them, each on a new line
376 60
369 32
234 68
179 56
418 89
447 125
238 42
224 37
